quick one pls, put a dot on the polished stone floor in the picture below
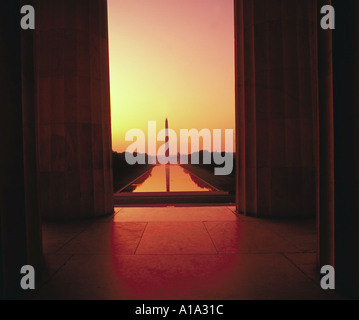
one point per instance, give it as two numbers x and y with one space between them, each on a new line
187 253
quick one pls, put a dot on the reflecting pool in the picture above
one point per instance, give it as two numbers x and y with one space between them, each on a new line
168 178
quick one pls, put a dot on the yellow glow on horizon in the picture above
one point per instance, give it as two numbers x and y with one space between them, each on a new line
171 59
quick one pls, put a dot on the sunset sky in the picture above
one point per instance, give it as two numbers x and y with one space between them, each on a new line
174 59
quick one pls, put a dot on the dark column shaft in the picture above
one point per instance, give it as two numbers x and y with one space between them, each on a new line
13 253
325 144
75 160
276 95
240 112
346 128
30 123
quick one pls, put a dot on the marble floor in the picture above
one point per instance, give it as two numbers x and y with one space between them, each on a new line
180 253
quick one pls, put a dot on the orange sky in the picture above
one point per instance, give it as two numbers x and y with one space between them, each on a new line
174 59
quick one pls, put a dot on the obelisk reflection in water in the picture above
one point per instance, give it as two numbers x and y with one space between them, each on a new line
167 156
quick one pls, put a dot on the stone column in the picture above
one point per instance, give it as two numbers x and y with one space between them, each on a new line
325 144
75 151
346 139
13 243
30 127
240 112
277 171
